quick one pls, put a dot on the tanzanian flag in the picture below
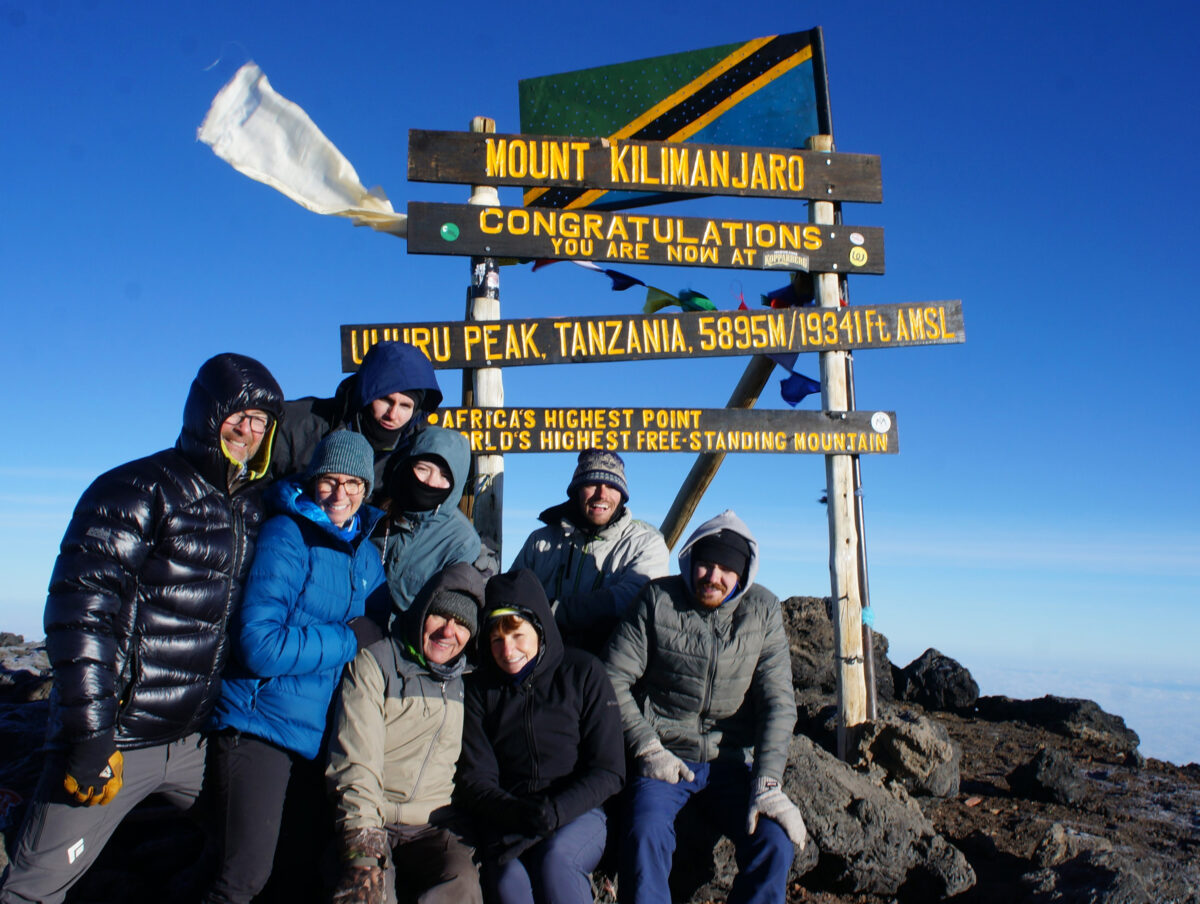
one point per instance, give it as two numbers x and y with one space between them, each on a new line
768 92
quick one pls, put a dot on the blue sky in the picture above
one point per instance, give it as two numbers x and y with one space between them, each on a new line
1036 164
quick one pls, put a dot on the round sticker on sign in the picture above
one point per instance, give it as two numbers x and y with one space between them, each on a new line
858 256
856 238
880 422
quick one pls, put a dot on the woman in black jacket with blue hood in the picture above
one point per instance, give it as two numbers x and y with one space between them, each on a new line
542 751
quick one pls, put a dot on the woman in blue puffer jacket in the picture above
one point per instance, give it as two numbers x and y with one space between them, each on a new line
315 596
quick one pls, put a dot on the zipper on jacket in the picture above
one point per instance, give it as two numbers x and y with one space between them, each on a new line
129 676
535 773
584 552
237 524
432 742
709 680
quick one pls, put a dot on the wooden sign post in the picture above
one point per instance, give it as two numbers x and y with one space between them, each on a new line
484 386
843 534
646 157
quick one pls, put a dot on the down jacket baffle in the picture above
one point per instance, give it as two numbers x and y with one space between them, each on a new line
710 684
151 567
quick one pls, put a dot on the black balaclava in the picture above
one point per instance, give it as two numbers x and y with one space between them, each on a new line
409 494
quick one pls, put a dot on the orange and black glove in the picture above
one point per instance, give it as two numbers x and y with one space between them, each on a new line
95 770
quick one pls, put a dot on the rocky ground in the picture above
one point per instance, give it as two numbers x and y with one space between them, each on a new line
951 795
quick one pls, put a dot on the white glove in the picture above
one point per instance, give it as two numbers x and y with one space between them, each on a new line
769 800
655 761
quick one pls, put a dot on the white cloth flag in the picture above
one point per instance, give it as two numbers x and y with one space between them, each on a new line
265 136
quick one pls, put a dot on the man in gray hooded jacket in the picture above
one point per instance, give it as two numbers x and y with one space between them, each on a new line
592 557
701 670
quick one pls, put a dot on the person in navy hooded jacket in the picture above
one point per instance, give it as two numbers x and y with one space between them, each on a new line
542 751
303 617
387 401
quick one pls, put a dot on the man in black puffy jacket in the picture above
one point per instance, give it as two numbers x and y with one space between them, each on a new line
149 572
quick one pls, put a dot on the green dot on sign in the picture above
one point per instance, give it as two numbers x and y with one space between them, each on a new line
449 231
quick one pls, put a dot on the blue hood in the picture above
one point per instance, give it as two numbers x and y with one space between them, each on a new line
395 367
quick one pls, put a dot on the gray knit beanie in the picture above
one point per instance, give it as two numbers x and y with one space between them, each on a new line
455 605
344 452
596 466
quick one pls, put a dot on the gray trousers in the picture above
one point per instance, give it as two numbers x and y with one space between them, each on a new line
60 839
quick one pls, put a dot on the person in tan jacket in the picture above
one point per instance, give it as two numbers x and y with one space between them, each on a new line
396 736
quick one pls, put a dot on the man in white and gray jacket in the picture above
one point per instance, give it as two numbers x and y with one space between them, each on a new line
592 557
701 670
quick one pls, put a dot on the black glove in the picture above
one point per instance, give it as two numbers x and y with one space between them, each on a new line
95 771
536 817
366 631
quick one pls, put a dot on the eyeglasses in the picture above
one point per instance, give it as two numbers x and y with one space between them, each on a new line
353 486
255 422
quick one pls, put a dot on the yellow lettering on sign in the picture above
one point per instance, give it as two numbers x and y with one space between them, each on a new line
916 326
485 226
518 159
577 345
678 343
942 320
790 236
758 174
678 158
796 172
529 347
616 162
778 164
718 168
742 180
494 162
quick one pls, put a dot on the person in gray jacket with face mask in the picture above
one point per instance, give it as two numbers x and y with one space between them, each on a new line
701 670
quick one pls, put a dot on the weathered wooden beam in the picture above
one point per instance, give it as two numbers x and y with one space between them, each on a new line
705 467
639 337
524 430
625 237
673 167
843 537
484 504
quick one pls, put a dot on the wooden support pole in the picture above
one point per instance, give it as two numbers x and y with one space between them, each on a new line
843 536
864 584
704 469
483 387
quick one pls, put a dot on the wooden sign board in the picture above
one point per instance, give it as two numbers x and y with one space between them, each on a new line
638 337
642 238
498 430
550 161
